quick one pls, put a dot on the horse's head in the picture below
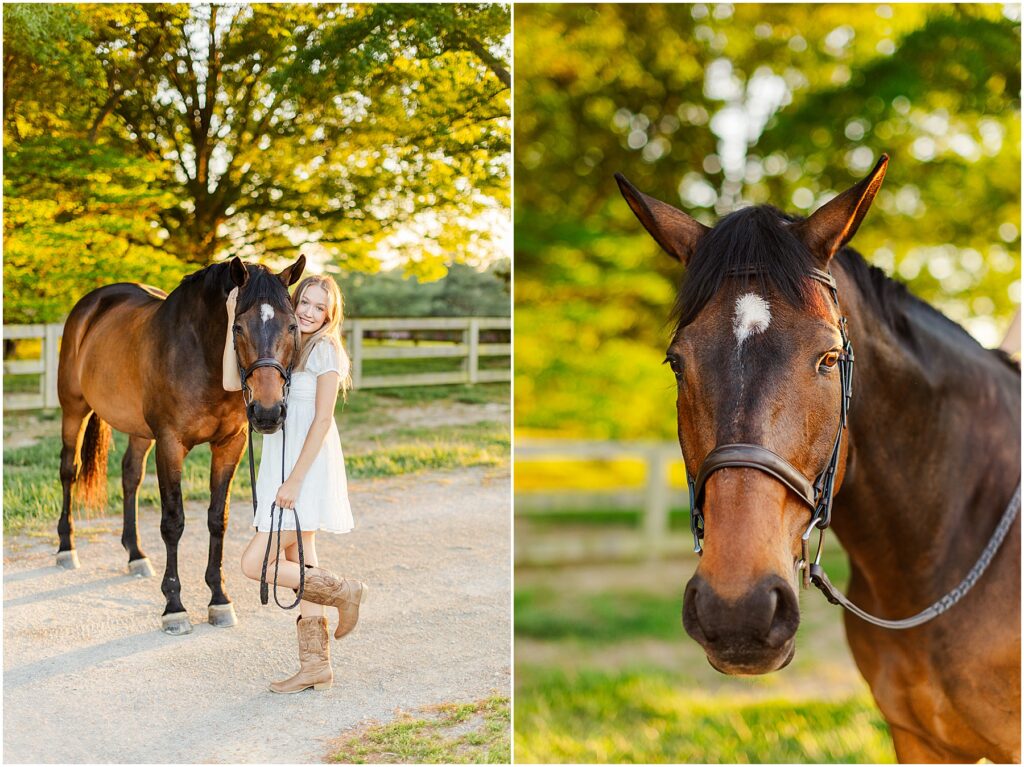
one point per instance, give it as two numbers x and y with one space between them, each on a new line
757 354
266 339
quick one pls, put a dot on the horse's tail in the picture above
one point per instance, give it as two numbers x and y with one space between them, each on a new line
91 486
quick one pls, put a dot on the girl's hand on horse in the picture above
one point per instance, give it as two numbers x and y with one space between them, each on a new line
288 493
232 299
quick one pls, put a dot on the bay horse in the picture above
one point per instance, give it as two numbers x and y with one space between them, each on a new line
149 364
920 450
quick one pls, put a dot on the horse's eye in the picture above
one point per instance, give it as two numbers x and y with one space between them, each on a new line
236 328
829 361
676 364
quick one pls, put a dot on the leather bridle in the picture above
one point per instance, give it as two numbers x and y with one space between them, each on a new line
818 495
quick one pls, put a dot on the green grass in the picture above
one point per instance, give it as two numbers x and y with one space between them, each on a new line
426 449
476 394
451 733
22 383
646 716
543 613
678 518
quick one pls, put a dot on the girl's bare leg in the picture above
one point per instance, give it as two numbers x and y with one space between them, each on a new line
252 559
308 609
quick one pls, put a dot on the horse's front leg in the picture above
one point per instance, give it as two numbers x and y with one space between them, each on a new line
170 454
222 470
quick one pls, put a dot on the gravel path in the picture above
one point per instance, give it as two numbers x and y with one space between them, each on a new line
89 676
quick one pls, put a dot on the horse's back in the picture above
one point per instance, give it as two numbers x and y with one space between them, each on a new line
104 352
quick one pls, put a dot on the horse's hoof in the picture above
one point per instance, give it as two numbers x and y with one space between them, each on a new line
223 616
176 624
68 559
140 568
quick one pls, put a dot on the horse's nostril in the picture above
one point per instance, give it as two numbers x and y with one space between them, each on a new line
785 616
702 631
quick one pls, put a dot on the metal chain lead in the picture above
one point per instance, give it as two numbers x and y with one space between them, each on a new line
820 579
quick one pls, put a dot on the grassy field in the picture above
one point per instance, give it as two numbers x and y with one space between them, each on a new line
376 434
605 673
451 733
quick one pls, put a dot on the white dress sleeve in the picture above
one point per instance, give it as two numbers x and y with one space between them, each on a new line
326 359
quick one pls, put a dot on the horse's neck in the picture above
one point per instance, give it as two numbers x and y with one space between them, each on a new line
934 450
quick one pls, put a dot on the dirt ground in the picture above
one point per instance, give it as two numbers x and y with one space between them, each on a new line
89 676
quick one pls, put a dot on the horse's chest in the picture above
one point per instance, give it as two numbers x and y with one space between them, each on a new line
928 688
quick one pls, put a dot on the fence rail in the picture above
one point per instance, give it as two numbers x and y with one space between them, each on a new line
383 345
654 499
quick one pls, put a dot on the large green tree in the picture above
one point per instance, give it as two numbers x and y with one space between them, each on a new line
251 129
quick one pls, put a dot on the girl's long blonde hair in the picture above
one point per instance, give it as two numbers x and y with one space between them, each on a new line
331 329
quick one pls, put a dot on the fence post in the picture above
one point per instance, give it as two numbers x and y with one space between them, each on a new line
52 335
656 497
357 353
473 361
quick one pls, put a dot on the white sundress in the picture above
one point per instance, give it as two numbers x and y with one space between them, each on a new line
323 499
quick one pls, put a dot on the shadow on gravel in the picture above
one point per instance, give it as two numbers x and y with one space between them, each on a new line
64 591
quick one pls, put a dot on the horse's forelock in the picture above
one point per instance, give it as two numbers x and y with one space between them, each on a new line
263 287
756 241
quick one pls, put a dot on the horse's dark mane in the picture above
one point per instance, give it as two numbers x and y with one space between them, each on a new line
262 286
757 239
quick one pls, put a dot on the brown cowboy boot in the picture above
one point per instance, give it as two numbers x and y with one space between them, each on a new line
325 588
314 658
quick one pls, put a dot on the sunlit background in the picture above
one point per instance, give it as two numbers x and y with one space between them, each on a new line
713 107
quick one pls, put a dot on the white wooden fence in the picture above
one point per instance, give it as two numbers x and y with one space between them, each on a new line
555 544
468 348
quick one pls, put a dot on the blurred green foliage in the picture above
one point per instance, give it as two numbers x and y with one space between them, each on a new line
463 292
819 91
144 140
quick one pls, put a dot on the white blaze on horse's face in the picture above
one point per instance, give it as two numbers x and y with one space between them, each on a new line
266 312
752 316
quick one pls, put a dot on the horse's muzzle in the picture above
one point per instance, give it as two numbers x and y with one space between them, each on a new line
266 420
751 635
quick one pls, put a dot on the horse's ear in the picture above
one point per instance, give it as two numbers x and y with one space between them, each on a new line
239 275
676 232
833 224
290 274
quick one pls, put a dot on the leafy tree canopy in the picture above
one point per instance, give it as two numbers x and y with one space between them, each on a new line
154 139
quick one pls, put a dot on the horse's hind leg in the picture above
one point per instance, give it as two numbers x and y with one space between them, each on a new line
73 421
170 454
133 469
222 470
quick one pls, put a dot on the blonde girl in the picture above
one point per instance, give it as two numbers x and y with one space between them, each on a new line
315 484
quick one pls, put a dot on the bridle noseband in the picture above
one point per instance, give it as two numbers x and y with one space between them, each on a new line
817 495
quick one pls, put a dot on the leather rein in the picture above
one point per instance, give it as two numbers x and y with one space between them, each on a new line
818 495
286 374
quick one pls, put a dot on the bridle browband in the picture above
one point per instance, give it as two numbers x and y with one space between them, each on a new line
818 495
286 374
